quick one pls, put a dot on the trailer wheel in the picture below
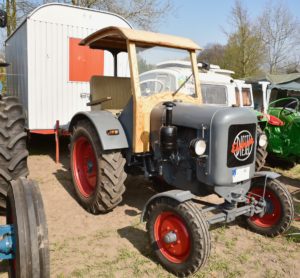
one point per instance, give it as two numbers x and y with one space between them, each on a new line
13 151
98 177
178 235
261 153
25 211
279 212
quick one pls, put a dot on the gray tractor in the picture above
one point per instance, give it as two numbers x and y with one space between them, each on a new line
138 127
23 235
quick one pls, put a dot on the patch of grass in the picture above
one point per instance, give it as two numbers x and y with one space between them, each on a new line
220 267
244 257
293 173
271 273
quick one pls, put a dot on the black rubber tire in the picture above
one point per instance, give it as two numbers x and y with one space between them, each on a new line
25 210
286 208
196 225
261 153
110 172
160 185
13 150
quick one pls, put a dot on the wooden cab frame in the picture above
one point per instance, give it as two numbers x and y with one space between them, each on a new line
116 40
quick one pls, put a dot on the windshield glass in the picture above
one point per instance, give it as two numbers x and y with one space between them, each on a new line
214 94
165 70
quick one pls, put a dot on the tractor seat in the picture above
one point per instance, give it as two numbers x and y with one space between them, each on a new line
118 88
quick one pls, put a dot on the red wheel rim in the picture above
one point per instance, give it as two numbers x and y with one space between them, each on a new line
178 251
273 209
84 166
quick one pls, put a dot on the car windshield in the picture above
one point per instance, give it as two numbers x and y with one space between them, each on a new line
165 70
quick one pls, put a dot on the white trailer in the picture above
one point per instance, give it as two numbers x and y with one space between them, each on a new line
49 71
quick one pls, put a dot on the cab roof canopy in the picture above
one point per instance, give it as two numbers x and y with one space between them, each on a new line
115 39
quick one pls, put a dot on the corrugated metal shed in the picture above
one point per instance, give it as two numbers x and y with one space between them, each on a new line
39 54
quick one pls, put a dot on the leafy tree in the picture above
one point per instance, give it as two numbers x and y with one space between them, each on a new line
212 54
244 52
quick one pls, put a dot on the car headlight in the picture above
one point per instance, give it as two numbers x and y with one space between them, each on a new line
198 146
262 140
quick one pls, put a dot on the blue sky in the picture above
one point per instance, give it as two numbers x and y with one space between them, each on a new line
203 20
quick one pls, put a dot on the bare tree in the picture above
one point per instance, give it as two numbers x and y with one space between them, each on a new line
146 14
279 30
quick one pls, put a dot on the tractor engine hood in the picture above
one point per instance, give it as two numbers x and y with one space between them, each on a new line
195 116
230 134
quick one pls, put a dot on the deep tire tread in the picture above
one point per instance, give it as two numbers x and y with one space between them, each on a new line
13 151
111 175
261 153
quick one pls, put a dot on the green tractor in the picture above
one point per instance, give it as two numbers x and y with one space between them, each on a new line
280 99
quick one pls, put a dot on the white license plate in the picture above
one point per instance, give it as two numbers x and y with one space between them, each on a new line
240 174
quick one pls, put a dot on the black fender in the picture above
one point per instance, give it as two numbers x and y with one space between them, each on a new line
103 121
178 195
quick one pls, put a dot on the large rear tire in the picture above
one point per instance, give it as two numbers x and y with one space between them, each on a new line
98 176
179 235
279 212
13 151
25 211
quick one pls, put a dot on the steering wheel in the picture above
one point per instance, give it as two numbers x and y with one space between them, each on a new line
149 90
288 105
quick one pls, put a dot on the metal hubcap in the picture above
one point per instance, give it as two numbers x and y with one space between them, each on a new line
273 209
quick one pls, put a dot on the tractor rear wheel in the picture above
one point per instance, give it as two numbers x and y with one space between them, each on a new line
98 176
13 151
261 153
25 211
178 235
279 211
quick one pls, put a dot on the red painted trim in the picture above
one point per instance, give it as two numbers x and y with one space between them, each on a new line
42 131
57 142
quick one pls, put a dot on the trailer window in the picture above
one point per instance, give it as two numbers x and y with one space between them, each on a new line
84 62
214 94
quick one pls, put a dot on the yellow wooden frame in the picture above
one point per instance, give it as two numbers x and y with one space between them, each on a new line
118 39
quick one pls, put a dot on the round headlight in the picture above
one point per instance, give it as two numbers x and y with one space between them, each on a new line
198 146
262 140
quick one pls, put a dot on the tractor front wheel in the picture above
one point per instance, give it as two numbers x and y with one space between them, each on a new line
279 210
25 211
178 235
98 176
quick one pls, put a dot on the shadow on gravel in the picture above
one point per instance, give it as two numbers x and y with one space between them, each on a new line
139 239
138 191
45 145
3 267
